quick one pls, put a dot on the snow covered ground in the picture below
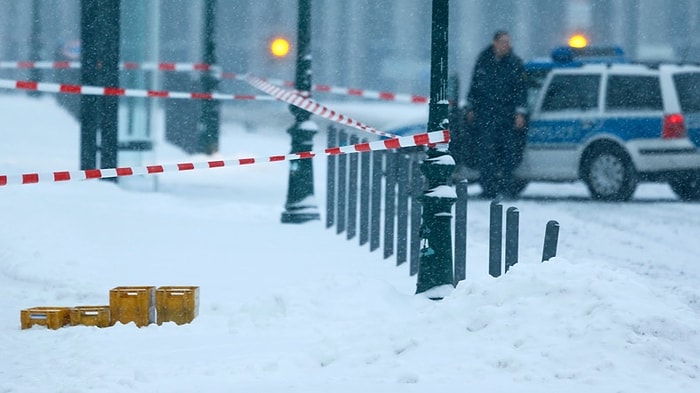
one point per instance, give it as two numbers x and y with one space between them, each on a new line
297 308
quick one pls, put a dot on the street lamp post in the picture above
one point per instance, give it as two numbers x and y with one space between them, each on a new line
209 118
100 39
35 45
301 205
435 271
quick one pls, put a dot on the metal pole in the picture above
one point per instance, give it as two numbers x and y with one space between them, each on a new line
404 165
35 45
100 39
512 233
331 178
551 237
209 119
461 231
301 206
352 191
389 202
435 268
495 238
110 33
89 112
365 190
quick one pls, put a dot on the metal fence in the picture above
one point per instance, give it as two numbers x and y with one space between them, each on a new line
374 197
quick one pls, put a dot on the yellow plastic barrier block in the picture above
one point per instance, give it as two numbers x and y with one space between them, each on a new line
51 317
99 316
133 304
179 304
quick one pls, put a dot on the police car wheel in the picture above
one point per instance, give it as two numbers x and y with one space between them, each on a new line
686 186
609 174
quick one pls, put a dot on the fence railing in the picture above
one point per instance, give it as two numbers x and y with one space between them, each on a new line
374 197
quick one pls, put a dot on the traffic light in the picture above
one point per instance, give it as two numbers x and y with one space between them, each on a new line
279 47
578 40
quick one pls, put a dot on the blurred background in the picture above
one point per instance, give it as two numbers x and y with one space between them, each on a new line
369 44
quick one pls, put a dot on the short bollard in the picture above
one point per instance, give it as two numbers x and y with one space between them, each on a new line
495 238
551 237
460 245
512 233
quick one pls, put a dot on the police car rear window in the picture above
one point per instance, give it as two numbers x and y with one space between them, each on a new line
633 92
688 88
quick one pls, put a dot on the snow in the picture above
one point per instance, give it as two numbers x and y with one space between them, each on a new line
297 308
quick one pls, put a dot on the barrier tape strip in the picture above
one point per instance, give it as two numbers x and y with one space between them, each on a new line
290 97
347 91
122 92
63 176
307 104
58 65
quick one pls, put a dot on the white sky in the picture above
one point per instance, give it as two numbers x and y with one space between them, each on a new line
297 308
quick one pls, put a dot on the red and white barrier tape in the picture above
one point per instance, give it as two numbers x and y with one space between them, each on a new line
307 104
121 92
63 176
347 91
290 97
58 65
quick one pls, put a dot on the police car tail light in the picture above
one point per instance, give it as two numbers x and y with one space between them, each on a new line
674 127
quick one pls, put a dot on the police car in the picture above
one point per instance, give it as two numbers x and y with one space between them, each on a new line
611 123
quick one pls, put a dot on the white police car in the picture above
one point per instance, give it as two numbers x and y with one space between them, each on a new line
612 124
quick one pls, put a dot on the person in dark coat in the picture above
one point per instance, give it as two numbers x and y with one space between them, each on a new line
496 111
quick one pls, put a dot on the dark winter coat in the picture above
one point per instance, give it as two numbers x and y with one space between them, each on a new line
498 86
497 92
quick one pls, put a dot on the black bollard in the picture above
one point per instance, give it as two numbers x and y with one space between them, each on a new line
551 237
495 238
461 231
512 232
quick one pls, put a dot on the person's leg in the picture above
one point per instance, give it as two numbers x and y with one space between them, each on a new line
489 158
511 157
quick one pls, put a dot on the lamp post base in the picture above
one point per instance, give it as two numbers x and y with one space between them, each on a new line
299 217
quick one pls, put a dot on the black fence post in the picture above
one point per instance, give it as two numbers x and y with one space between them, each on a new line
512 232
341 212
376 200
331 178
403 168
416 214
461 232
495 238
352 192
551 237
364 197
389 202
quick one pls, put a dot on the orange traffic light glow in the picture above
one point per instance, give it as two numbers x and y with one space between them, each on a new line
279 47
578 41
